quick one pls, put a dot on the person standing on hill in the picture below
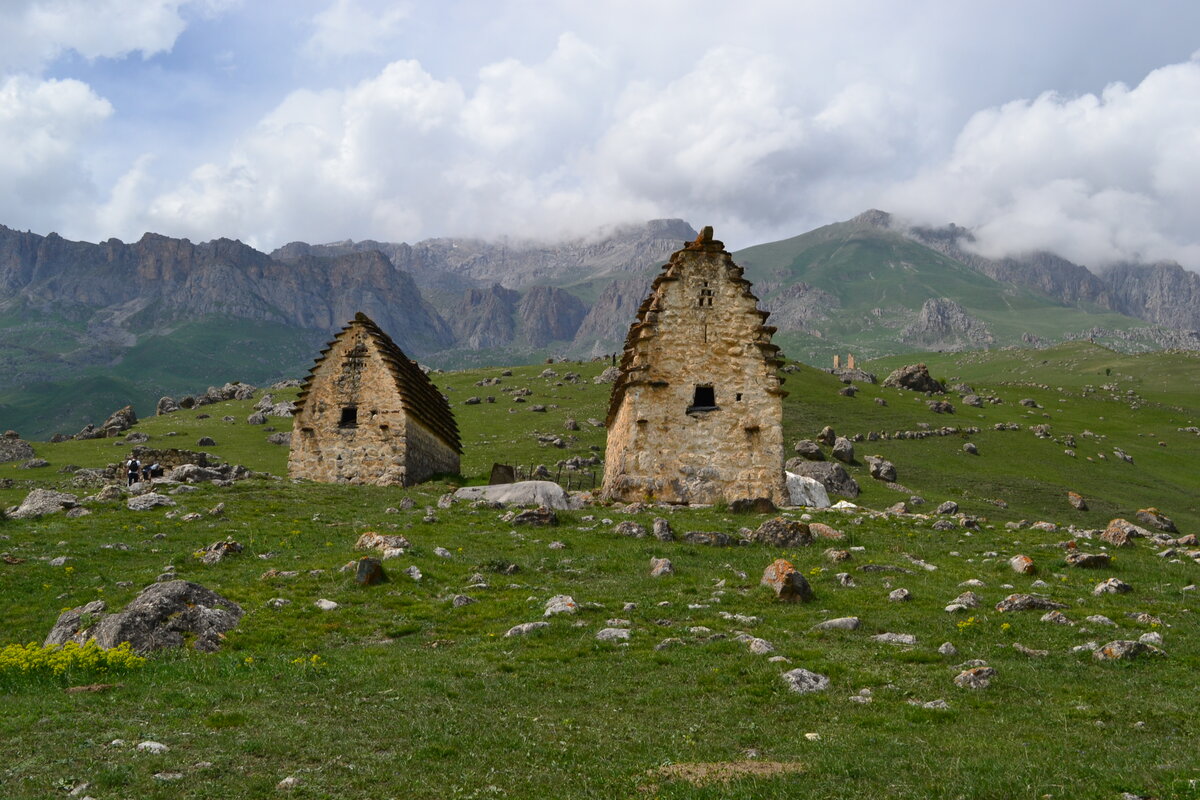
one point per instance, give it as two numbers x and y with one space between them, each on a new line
134 468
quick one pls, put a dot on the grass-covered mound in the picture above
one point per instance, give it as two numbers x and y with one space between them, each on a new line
399 693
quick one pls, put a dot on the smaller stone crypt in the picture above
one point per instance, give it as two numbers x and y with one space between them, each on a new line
367 414
696 413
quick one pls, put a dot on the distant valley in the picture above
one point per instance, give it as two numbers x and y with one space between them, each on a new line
90 327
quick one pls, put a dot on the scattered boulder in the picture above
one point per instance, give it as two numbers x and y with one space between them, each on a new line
710 538
42 501
524 493
838 624
217 551
810 450
843 450
257 418
1155 518
1112 586
630 528
660 567
662 530
1124 650
13 448
787 582
970 449
941 406
612 634
369 572
166 405
1077 502
160 617
145 502
831 475
540 516
803 681
753 505
609 375
1121 533
561 604
948 507
806 491
827 436
782 532
283 438
915 378
975 678
120 420
823 531
526 628
1075 558
881 469
1022 565
205 441
906 639
1027 602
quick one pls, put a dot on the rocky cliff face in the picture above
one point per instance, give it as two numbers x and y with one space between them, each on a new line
483 318
799 307
943 324
603 329
157 280
1163 293
549 315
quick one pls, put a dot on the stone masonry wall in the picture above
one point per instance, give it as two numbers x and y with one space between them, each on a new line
373 449
702 329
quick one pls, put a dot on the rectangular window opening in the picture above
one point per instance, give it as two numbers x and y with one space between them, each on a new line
349 417
704 399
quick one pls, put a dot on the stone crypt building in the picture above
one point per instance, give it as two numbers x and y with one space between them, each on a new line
696 413
367 414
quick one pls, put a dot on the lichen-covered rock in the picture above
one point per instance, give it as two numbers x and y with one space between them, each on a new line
660 567
1156 519
1121 533
803 681
1022 565
160 617
43 501
975 678
630 528
540 516
13 448
1075 558
787 582
914 377
662 530
782 532
1112 586
1027 602
1077 502
1124 650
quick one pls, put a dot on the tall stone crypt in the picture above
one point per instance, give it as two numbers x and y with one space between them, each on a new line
368 414
696 413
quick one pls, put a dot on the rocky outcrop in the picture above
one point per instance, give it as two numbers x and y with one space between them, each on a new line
943 324
14 448
1164 293
915 378
799 306
160 617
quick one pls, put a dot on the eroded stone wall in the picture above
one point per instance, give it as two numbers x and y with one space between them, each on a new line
702 329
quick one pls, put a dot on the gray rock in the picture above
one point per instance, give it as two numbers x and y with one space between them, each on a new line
803 681
257 418
831 475
166 405
805 491
630 528
838 624
1124 650
43 501
810 450
895 638
660 567
561 604
970 449
205 441
145 502
612 635
526 628
915 378
975 678
662 530
283 438
881 469
843 450
900 595
524 493
160 617
1112 586
782 532
14 449
1027 602
948 649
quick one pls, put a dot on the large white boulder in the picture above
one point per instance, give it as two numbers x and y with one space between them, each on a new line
805 491
524 493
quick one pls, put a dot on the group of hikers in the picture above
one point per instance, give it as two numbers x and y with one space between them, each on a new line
136 471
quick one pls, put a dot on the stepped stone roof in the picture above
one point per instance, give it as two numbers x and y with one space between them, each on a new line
644 326
419 396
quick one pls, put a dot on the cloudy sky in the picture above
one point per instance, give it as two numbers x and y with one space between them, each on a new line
1071 125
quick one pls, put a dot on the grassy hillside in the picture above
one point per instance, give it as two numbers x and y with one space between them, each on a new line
881 279
398 693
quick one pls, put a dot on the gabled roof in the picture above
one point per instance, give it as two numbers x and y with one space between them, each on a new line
419 396
703 243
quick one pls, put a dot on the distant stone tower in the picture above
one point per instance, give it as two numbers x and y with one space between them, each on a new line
367 414
696 413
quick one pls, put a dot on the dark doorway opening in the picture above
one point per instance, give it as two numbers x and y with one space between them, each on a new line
349 417
704 399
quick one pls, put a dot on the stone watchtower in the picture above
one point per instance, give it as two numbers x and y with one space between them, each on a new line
696 413
367 414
